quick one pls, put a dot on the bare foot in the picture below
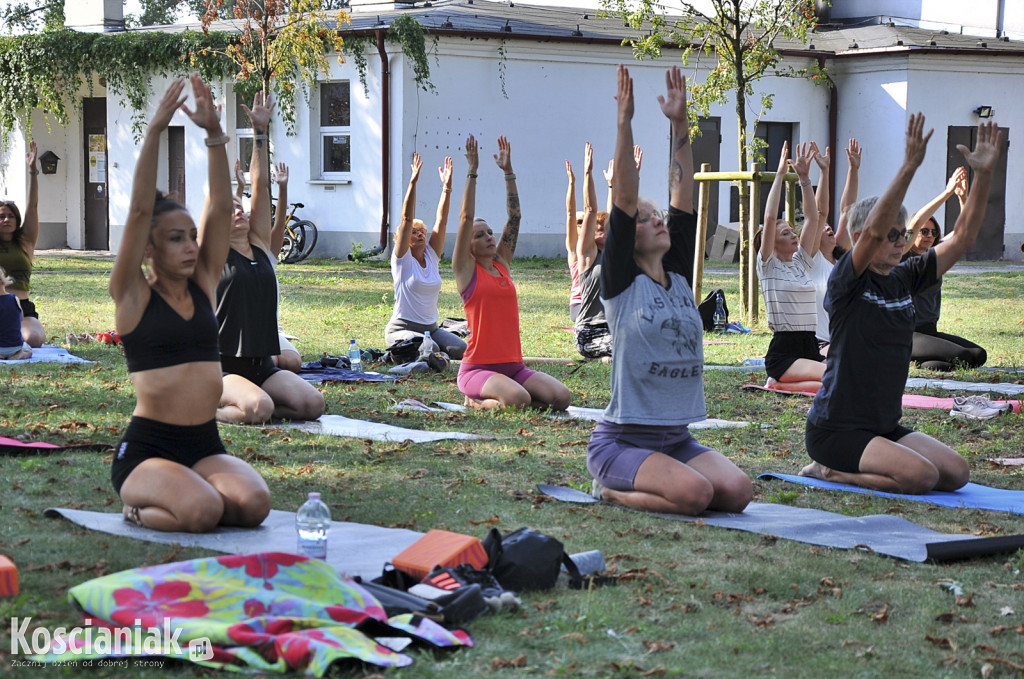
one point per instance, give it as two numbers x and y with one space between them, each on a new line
131 515
483 404
816 470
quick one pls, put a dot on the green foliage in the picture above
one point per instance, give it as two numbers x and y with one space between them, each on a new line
282 47
39 71
33 15
408 33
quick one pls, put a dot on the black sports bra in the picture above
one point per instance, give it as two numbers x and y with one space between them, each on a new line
163 338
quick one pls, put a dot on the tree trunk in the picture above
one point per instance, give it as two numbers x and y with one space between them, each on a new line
748 306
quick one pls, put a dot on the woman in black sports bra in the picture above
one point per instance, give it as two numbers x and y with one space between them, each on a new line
255 389
171 469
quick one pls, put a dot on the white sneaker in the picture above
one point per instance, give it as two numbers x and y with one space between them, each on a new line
984 401
963 406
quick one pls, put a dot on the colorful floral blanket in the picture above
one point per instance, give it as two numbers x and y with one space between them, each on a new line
261 612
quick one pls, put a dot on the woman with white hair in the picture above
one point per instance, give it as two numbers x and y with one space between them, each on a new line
853 432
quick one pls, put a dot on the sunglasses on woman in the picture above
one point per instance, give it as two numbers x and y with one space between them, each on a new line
930 232
895 234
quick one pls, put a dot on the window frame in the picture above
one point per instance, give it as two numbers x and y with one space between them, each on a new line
327 131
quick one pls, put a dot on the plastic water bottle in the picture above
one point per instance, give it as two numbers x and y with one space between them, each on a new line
720 318
427 347
312 522
355 359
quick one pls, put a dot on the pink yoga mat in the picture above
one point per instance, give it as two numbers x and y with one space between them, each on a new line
909 400
18 444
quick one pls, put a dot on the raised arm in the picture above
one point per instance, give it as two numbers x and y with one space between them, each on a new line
408 209
983 160
463 264
239 180
586 248
771 207
126 280
30 221
281 213
215 222
609 174
571 230
510 234
443 206
625 192
259 167
810 234
822 195
922 216
680 168
882 219
849 196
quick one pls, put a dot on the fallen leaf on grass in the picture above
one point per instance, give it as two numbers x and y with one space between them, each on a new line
543 606
575 636
501 663
1006 663
766 621
491 521
941 642
881 616
996 631
965 601
655 672
23 541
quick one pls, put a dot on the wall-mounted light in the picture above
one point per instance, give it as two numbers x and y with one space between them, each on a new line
577 33
447 23
984 111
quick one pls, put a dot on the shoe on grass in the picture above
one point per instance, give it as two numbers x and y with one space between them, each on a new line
974 410
984 401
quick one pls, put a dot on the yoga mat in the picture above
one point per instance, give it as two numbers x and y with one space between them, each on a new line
880 533
48 354
909 400
317 375
972 495
353 548
16 447
956 385
594 415
338 425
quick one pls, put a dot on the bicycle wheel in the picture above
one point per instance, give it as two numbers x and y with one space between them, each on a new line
291 246
305 241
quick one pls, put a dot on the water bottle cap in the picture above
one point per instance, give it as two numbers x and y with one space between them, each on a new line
351 341
314 496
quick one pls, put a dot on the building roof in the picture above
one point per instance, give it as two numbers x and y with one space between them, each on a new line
511 21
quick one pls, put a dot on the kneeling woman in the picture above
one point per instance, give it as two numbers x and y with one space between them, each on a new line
255 389
784 265
853 431
492 373
171 469
641 453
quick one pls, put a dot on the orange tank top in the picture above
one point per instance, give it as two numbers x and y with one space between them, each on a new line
492 313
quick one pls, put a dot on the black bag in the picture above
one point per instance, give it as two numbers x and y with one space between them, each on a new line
403 351
706 309
526 560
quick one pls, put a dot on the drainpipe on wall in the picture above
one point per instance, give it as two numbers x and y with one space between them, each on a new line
833 124
385 155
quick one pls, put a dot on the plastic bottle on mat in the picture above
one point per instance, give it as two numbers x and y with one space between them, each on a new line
355 358
428 346
720 318
312 523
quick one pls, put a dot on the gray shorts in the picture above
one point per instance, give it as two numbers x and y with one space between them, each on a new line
616 451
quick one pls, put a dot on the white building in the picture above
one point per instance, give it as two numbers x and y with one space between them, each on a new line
545 78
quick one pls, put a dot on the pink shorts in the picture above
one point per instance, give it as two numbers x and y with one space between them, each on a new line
473 377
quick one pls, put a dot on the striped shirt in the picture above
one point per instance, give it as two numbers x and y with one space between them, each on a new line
789 292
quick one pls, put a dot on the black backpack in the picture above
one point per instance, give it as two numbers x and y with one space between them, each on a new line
706 309
526 560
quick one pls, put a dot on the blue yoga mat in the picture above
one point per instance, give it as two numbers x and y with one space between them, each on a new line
880 533
972 495
48 354
317 375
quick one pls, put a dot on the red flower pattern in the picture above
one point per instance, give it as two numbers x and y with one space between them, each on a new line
165 601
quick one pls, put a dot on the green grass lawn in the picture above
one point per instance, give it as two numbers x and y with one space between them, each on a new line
694 600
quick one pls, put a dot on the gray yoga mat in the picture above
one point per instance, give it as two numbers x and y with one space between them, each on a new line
880 533
338 425
354 548
591 414
956 385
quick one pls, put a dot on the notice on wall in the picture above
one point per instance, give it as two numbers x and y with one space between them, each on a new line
97 159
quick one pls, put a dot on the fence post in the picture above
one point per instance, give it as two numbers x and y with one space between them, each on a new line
755 223
703 200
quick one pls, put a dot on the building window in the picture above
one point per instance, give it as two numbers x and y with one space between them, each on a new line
335 131
243 135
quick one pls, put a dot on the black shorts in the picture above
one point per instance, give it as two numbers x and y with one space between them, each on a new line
786 348
145 438
256 370
842 450
28 309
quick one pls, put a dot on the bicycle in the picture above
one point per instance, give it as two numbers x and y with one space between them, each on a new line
299 236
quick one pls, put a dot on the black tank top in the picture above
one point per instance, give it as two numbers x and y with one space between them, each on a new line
163 338
247 306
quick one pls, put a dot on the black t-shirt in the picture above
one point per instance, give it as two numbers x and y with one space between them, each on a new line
871 319
927 301
247 306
